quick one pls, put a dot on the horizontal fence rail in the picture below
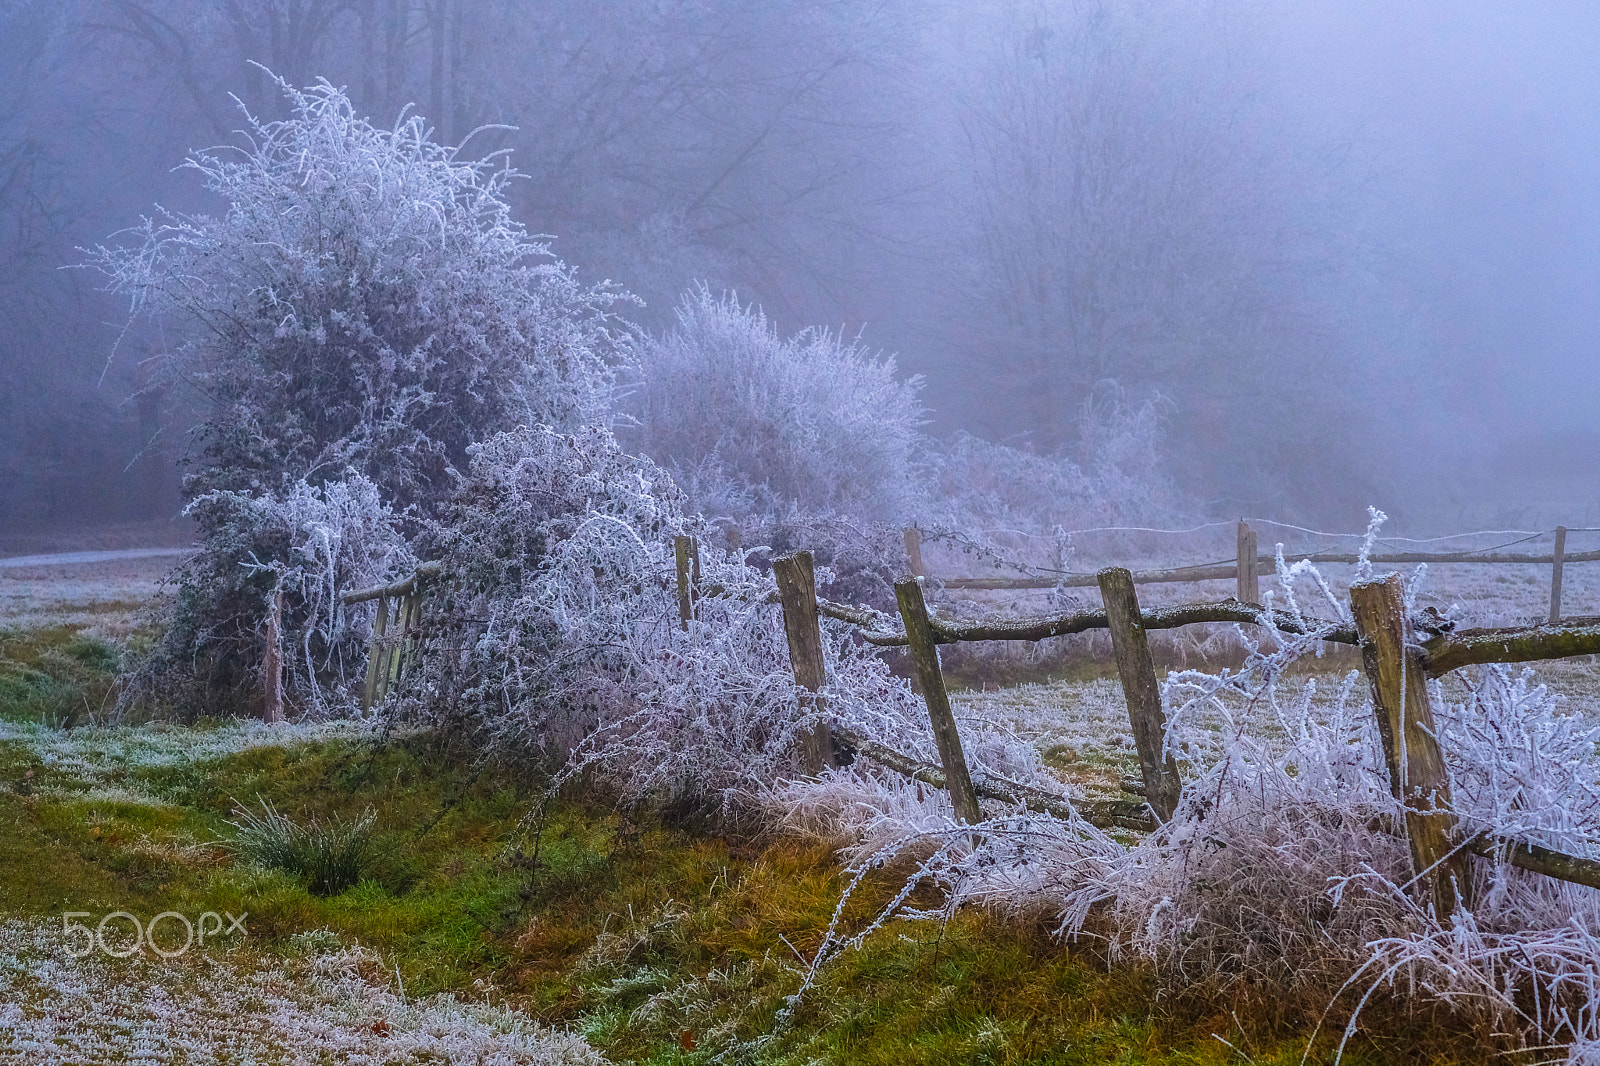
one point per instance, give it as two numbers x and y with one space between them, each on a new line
1249 565
1265 566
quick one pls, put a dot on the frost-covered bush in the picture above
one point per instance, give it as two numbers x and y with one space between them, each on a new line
307 545
559 633
541 559
365 300
860 561
752 423
998 502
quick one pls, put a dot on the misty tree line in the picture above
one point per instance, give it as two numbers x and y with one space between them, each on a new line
1026 202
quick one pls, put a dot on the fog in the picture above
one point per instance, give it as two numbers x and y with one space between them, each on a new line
1348 247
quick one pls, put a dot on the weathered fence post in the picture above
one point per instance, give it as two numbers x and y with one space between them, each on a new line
272 662
1556 558
1131 645
1249 580
797 591
407 615
687 555
914 551
925 656
375 665
1417 772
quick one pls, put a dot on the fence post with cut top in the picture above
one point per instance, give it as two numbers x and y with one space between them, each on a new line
1417 773
914 551
925 657
797 591
1131 646
686 553
1249 580
1556 558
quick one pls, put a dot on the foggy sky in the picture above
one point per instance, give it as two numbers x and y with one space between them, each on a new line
1479 124
1416 188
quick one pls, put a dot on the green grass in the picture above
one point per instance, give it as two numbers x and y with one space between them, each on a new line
56 675
331 855
663 942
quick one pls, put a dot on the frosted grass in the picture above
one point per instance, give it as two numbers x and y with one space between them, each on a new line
99 760
341 1006
104 599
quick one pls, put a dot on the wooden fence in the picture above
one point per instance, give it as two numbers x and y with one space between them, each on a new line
1399 654
1250 564
393 631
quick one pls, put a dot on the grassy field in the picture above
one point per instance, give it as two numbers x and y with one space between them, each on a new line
486 917
657 941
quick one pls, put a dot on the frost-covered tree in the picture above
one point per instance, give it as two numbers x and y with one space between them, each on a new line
755 423
364 301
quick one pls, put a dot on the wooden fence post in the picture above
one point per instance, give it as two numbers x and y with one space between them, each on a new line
1249 580
797 591
925 656
1131 645
687 554
1417 772
272 661
1556 558
407 614
375 666
914 551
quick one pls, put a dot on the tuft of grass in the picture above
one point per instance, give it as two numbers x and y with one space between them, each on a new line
56 675
331 856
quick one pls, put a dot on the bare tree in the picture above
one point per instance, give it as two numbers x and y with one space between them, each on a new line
1115 216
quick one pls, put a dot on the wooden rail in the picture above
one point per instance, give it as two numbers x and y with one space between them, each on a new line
1265 564
399 588
1247 575
1041 627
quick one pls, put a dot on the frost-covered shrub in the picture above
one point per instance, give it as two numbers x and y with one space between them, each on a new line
309 545
998 502
559 633
541 558
860 561
752 423
365 300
